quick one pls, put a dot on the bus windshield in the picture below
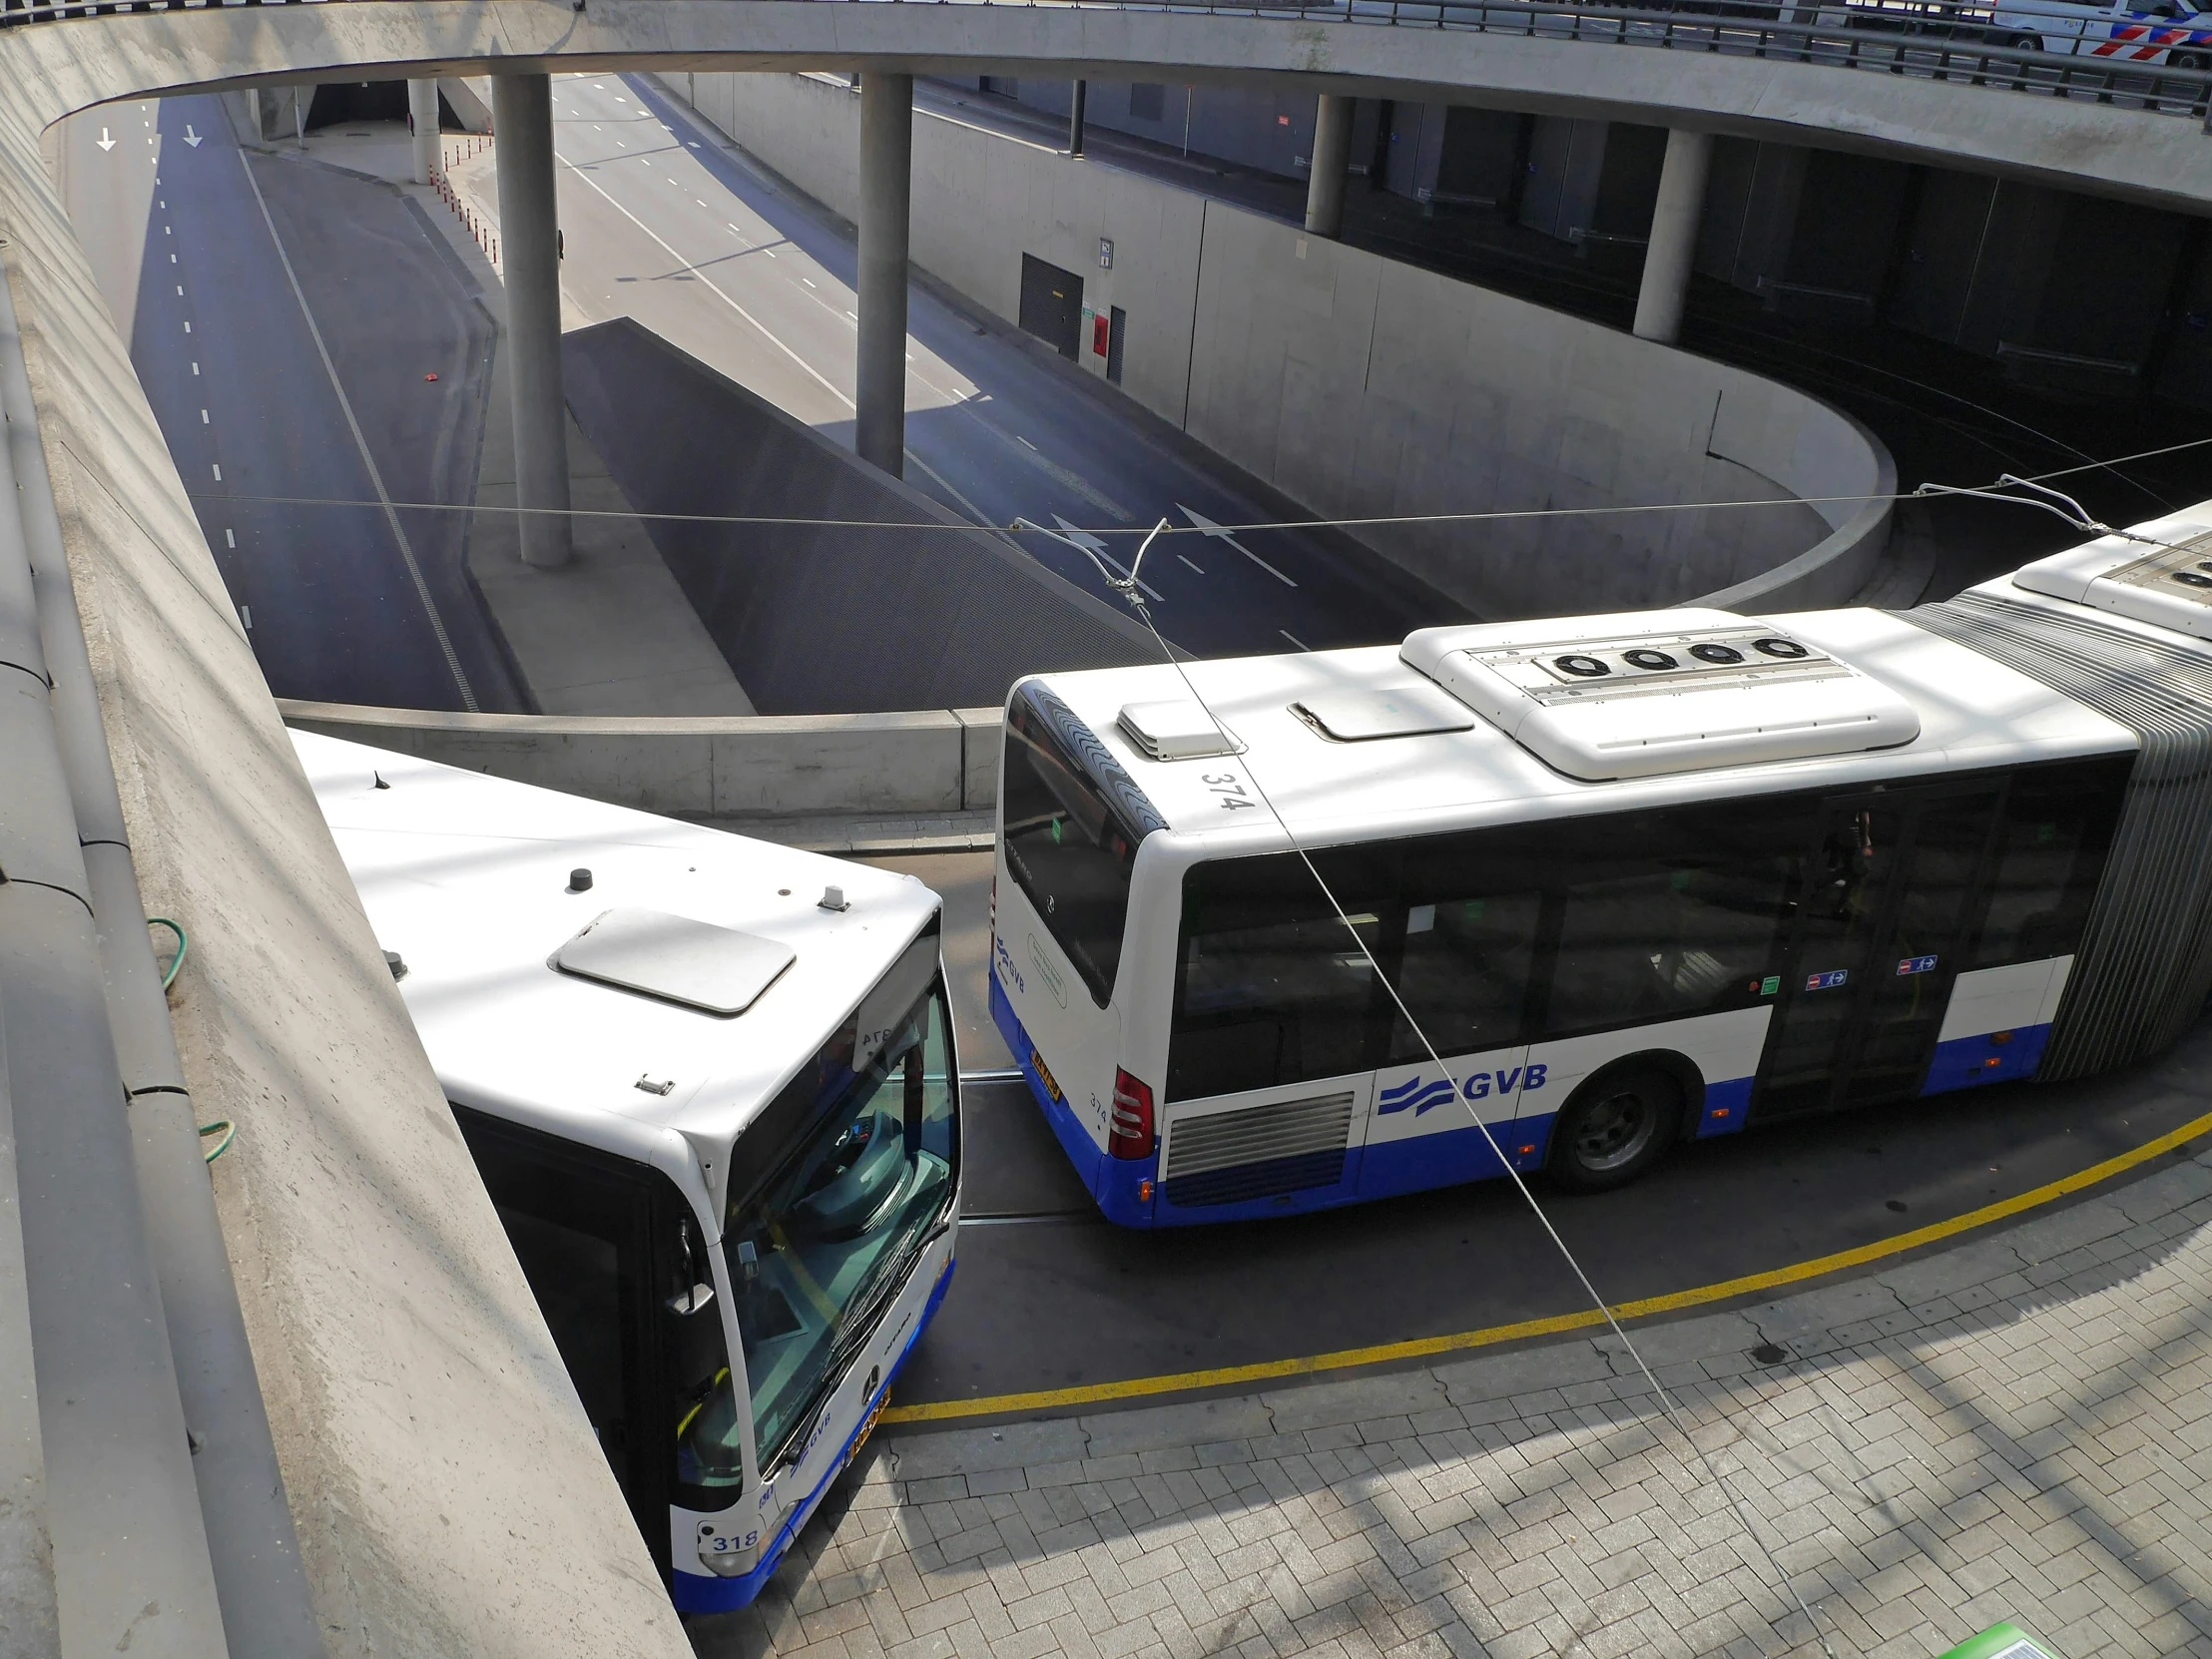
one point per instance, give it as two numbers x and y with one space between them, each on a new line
861 1149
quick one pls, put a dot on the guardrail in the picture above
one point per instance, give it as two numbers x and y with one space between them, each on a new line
1936 42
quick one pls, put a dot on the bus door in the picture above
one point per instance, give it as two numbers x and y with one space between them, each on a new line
1889 896
583 1229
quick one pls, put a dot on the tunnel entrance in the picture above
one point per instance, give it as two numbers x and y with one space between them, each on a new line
338 102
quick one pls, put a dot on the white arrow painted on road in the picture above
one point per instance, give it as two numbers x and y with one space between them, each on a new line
1207 527
191 138
106 142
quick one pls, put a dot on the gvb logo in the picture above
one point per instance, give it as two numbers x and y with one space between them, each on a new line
1416 1094
1420 1094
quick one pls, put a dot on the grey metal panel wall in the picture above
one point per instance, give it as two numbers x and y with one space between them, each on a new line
2145 967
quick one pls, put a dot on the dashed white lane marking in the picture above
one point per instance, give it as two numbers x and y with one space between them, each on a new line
1188 562
229 538
202 417
217 465
195 368
180 293
1294 639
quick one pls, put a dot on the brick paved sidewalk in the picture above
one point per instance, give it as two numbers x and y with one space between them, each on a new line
2020 1427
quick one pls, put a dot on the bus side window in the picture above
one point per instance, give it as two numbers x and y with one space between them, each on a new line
1272 990
1470 942
2050 855
1686 924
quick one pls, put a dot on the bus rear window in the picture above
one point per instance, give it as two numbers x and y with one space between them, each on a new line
1068 848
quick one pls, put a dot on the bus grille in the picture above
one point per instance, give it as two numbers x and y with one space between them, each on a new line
1281 1147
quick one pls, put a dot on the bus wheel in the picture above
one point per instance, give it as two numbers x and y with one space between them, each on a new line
1617 1126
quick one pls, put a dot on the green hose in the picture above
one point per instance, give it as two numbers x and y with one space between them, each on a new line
183 945
222 1127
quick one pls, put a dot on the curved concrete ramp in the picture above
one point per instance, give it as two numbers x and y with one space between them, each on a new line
2072 143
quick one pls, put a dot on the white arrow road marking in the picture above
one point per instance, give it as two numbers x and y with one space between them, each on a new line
106 142
191 138
1205 526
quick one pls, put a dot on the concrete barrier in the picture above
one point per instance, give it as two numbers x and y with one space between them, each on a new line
447 1491
928 761
1363 387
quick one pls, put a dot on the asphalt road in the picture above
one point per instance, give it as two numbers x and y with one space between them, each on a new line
310 382
1050 1296
666 223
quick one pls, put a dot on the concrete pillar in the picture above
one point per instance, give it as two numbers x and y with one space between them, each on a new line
253 114
887 178
1324 184
422 110
1075 118
1673 244
529 249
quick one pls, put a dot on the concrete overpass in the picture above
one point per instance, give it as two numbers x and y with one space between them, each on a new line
439 1491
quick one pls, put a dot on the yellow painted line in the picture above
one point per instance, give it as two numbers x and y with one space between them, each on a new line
1422 1347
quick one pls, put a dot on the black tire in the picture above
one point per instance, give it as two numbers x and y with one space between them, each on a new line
1615 1127
2025 43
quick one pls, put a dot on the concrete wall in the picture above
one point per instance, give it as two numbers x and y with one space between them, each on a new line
928 762
447 1491
815 613
1363 387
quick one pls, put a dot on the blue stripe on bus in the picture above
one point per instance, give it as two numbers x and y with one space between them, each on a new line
1991 1057
695 1592
1727 1105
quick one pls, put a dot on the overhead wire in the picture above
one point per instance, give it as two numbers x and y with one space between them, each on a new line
1129 589
1367 522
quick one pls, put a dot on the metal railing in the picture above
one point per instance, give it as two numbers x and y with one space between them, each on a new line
1938 42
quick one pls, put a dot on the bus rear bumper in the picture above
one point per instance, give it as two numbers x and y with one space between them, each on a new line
1121 1187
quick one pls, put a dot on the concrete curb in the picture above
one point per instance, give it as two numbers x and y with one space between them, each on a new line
1994 1278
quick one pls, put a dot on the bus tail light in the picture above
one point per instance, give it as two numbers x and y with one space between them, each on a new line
1129 1130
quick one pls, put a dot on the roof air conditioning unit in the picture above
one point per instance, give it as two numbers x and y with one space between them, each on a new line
1646 693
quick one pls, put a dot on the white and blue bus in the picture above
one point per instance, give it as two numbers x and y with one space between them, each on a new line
1639 877
711 1086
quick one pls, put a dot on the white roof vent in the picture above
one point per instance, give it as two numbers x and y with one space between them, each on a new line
1359 714
717 970
1178 730
1647 693
2168 586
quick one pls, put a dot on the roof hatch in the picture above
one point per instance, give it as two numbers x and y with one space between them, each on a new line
717 970
2169 586
1360 714
1177 730
1647 693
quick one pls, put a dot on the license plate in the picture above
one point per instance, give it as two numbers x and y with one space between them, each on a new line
1044 1076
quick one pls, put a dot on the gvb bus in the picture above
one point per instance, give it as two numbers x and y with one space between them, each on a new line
1637 877
710 1084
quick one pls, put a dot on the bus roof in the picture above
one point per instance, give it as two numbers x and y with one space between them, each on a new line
467 878
1969 712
